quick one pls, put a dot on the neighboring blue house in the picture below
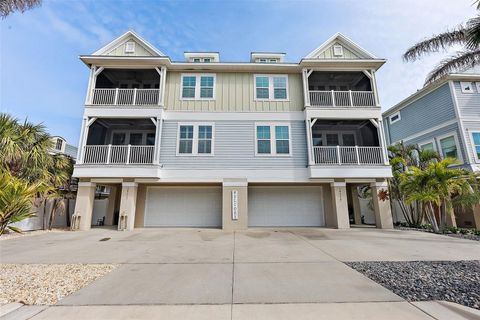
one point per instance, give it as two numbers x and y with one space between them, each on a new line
443 116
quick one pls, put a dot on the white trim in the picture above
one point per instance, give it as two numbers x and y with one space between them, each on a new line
472 144
130 46
86 184
273 139
393 115
195 139
129 184
457 144
235 183
338 50
214 116
271 88
424 132
198 77
338 184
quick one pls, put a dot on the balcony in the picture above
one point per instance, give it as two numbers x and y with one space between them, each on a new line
342 98
125 97
354 155
118 154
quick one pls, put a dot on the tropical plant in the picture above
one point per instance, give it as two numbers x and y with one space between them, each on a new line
9 6
402 157
467 35
16 196
25 155
438 186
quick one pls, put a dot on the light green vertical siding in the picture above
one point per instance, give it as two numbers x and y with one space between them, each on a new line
234 93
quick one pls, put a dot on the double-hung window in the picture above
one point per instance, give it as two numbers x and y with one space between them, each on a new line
449 148
272 139
476 144
195 139
198 86
271 87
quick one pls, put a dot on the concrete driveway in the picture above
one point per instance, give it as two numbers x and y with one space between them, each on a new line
207 273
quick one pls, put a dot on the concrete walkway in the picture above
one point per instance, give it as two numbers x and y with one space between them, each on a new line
256 274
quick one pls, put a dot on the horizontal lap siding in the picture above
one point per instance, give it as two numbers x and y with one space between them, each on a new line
429 111
234 147
234 92
468 103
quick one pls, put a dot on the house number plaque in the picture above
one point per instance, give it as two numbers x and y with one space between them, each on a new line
234 205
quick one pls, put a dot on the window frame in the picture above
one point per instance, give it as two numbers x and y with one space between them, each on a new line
393 115
271 88
425 142
198 78
457 144
127 133
195 139
273 139
477 159
463 85
337 50
130 47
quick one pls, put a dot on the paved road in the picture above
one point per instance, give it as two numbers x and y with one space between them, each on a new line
210 274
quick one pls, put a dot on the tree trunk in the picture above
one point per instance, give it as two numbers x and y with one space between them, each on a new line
67 211
432 218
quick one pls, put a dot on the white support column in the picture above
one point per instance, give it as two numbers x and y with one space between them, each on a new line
383 143
81 145
128 205
95 72
163 77
311 160
375 92
158 139
381 207
82 217
88 98
306 93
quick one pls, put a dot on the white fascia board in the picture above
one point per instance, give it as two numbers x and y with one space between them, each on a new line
213 116
116 171
342 38
343 113
123 112
125 36
342 64
345 171
252 175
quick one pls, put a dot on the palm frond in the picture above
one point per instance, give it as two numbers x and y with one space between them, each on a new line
464 59
473 33
437 42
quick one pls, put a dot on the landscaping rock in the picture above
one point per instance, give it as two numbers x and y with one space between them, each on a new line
455 281
45 284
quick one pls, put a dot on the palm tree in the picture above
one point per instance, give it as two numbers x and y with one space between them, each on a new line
438 186
402 158
10 6
466 35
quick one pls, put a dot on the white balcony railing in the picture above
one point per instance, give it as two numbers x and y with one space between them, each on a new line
356 155
112 154
342 99
125 97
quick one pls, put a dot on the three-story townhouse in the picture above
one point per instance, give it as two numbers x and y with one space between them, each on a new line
205 143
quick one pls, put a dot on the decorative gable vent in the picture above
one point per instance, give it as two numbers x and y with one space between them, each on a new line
130 47
338 50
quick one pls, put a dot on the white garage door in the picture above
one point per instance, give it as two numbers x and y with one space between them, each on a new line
285 206
183 207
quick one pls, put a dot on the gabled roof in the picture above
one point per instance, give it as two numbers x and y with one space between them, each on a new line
128 36
339 38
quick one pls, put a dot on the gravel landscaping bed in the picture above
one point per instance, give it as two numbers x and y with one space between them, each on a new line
455 235
45 284
455 281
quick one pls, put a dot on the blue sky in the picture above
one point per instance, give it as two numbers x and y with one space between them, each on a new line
42 78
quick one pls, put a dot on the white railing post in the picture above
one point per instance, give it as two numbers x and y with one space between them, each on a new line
358 156
128 153
333 98
116 97
109 152
339 158
350 96
134 96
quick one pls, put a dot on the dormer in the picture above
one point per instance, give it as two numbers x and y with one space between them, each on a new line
202 57
267 57
340 47
129 44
